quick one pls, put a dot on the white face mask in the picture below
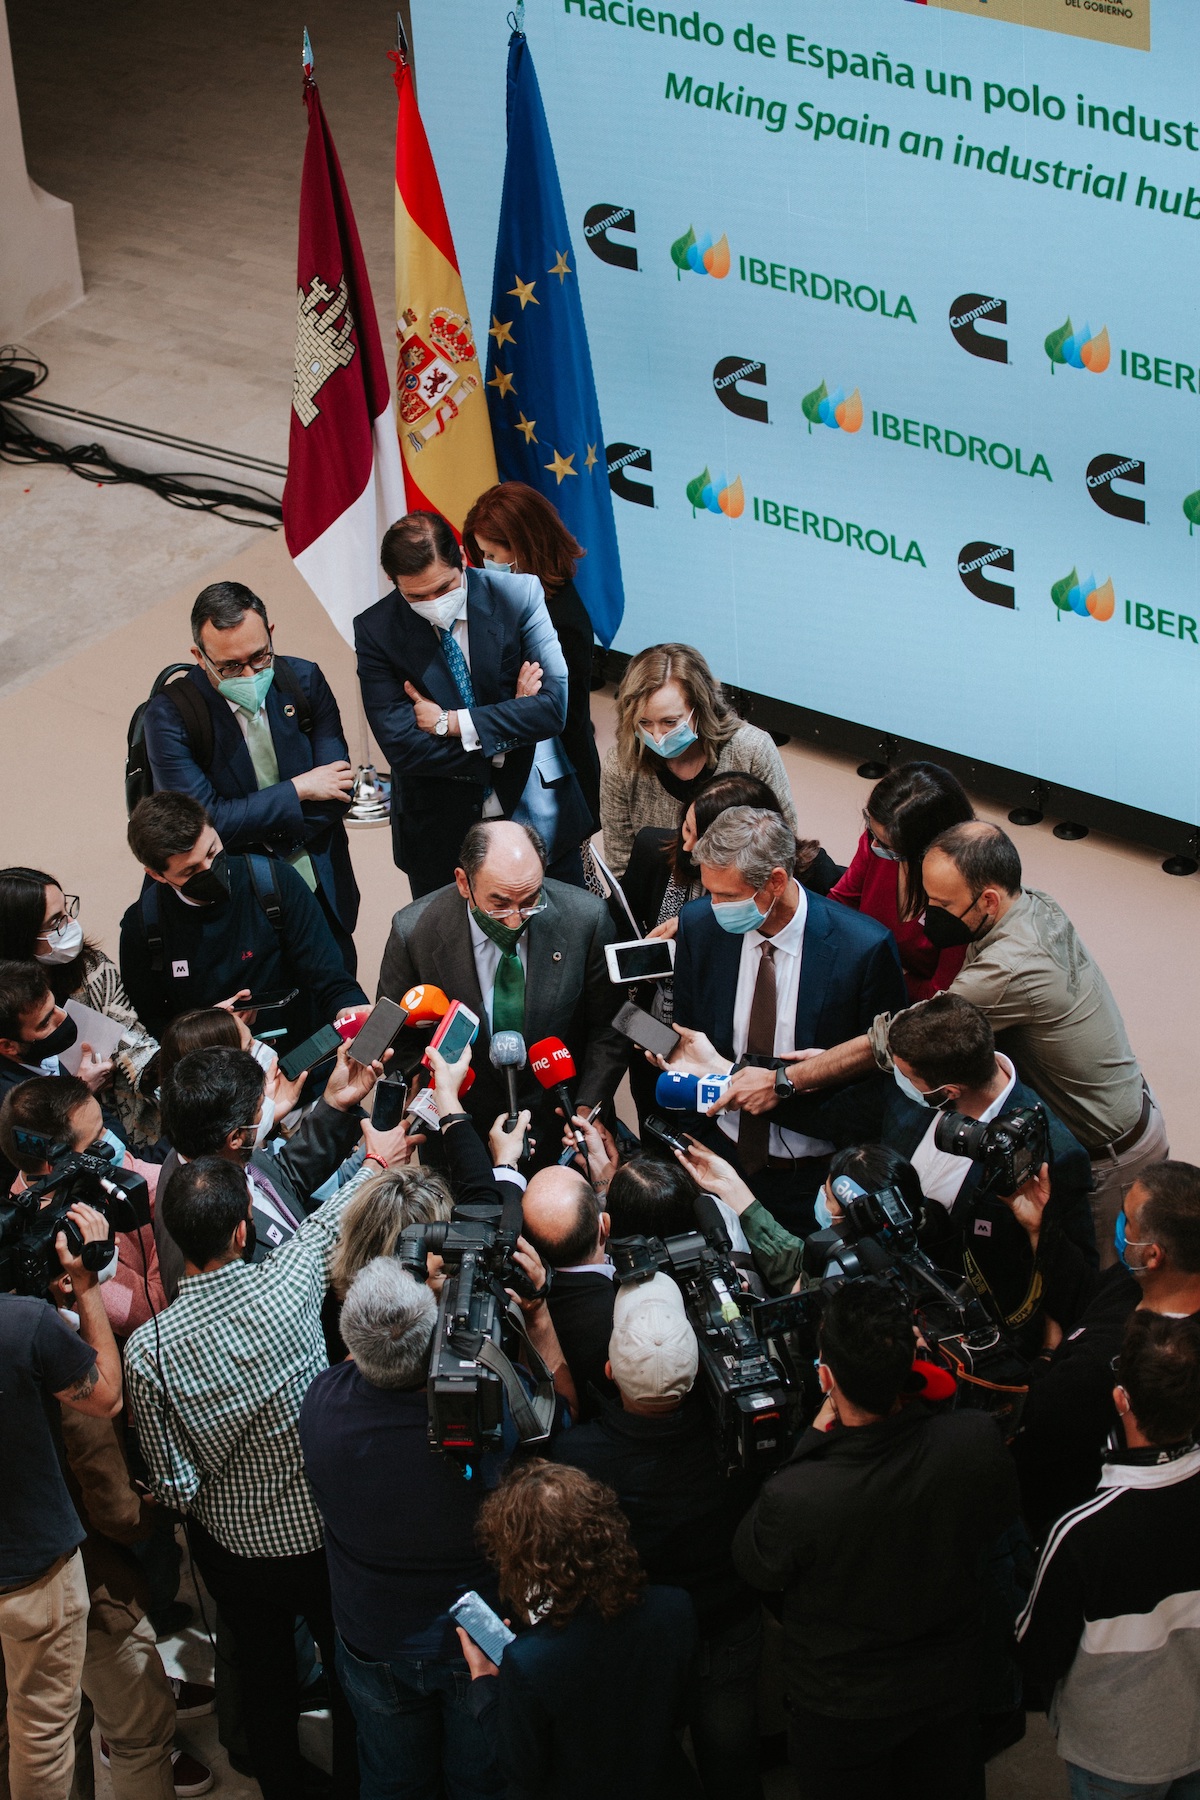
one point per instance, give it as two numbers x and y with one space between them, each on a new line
262 1130
64 944
443 611
498 568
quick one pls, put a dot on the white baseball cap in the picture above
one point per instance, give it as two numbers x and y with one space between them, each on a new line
652 1349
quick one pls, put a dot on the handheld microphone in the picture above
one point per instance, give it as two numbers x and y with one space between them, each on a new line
424 1005
554 1067
689 1093
507 1051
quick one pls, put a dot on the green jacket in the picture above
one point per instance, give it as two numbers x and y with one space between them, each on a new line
776 1252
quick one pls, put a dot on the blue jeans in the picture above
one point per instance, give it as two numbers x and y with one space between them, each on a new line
1086 1786
416 1731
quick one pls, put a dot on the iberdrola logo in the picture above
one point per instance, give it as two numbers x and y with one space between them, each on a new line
701 255
1079 349
1083 597
1191 510
717 494
837 410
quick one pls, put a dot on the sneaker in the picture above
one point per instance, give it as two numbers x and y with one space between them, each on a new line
189 1774
192 1698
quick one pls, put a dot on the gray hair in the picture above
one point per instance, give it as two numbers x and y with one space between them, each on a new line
387 1322
750 840
476 844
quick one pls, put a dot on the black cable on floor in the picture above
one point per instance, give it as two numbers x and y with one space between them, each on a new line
237 501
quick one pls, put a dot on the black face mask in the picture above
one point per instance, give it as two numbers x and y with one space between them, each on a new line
59 1040
209 886
946 931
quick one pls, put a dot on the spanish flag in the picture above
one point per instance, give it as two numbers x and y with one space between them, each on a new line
442 417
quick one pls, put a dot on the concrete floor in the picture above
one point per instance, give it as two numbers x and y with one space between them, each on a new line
177 133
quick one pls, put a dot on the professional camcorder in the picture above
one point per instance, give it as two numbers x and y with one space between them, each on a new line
1011 1149
878 1237
30 1223
478 1332
746 1368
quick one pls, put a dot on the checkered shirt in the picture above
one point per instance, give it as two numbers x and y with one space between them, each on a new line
236 1353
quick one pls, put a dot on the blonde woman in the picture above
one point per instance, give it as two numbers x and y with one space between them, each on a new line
379 1212
675 731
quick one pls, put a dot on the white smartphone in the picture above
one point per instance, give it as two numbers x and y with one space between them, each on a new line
640 959
482 1626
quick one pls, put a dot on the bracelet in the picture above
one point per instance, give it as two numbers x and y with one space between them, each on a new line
453 1119
373 1156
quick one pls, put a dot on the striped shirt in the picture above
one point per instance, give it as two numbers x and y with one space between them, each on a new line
216 1383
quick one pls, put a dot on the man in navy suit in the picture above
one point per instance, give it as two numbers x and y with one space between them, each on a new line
462 675
763 969
277 778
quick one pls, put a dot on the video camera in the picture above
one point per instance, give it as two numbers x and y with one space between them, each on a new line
878 1237
1011 1149
745 1365
29 1226
470 1366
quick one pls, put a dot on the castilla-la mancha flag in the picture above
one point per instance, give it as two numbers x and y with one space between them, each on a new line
445 433
344 486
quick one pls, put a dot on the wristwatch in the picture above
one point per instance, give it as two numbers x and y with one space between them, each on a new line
443 725
783 1087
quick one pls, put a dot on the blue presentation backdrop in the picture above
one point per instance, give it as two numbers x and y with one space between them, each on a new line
893 316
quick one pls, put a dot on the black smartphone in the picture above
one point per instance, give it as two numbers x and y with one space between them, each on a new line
317 1049
646 1031
266 1002
379 1033
658 1135
387 1108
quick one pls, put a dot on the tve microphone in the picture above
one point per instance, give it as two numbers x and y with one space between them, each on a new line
507 1051
554 1067
676 1092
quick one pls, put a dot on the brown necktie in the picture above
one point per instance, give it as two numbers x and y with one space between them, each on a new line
754 1129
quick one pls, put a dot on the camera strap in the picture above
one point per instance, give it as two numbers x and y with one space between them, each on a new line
532 1416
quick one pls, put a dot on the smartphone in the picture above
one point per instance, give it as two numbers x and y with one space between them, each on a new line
459 1028
659 1134
483 1626
318 1048
640 959
647 1032
266 1002
378 1034
390 1100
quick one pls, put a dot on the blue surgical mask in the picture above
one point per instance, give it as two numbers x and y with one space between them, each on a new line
109 1143
498 568
248 691
1122 1242
932 1100
821 1209
738 916
884 854
681 737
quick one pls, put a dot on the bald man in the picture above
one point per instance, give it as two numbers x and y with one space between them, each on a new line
568 1227
527 954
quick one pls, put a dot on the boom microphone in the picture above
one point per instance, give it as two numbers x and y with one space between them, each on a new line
689 1093
554 1067
507 1051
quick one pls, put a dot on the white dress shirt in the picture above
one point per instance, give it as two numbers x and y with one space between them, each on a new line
487 960
468 736
788 945
942 1176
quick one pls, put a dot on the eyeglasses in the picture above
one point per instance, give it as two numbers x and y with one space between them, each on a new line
872 835
251 665
70 911
506 912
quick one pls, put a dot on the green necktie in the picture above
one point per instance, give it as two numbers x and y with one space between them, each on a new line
508 991
266 770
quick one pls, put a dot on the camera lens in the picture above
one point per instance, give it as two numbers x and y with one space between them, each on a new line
956 1135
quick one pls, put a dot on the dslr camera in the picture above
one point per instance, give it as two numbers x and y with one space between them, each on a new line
31 1221
745 1366
1011 1150
478 1333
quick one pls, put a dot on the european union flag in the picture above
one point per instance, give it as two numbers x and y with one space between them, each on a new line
540 392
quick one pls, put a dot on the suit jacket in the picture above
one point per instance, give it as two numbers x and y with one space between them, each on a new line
321 1144
573 627
567 995
849 972
274 819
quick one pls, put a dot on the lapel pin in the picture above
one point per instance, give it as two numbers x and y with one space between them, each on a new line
557 957
289 711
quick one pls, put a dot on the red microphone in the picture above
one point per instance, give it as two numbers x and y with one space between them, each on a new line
554 1067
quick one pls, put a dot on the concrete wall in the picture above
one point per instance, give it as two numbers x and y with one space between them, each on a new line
39 258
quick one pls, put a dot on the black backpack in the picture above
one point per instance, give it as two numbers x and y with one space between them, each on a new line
197 723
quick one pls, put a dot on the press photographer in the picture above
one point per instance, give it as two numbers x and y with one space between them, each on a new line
43 1590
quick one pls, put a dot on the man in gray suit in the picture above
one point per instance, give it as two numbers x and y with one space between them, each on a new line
525 953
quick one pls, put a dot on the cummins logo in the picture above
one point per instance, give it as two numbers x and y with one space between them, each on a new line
970 311
974 563
620 459
729 373
598 221
1102 471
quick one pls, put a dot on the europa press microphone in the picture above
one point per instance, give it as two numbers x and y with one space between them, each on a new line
554 1067
676 1092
